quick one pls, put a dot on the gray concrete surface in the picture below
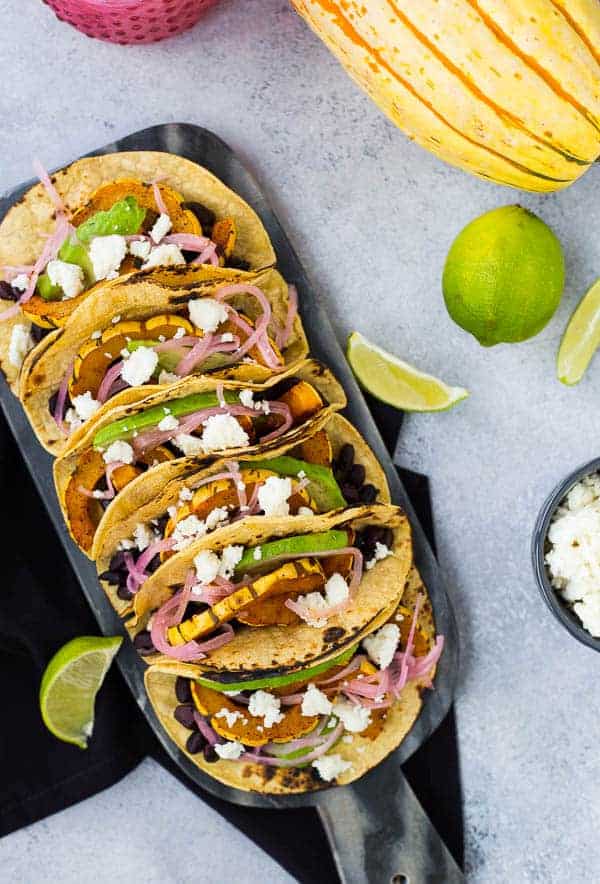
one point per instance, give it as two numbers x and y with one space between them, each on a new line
372 217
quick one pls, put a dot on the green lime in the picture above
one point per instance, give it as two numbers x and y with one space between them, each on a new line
581 338
504 276
396 382
70 683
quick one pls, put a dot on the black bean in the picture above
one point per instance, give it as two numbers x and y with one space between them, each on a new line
356 475
184 714
204 215
124 594
388 538
143 643
183 690
112 577
161 523
368 494
195 743
7 292
345 458
37 333
117 563
153 564
374 533
350 493
189 256
52 402
333 634
209 753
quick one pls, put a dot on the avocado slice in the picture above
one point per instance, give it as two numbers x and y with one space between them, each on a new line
296 545
151 417
125 217
279 681
323 485
169 360
72 253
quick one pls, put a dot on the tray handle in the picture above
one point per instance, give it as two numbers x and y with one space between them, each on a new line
380 834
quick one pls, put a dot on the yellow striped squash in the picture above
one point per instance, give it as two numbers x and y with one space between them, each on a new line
507 89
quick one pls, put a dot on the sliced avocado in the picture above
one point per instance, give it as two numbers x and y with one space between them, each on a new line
296 545
125 218
151 417
168 360
323 486
47 290
279 681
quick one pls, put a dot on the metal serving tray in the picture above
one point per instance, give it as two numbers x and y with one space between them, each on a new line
376 827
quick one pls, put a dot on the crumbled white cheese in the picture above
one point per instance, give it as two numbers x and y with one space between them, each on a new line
304 511
315 702
180 333
226 338
207 314
85 405
107 254
185 494
140 248
69 277
168 423
126 544
161 227
116 319
265 705
257 554
247 398
301 474
188 444
168 377
119 450
96 335
230 716
381 552
336 590
381 645
72 420
230 556
347 738
187 530
207 565
355 718
229 751
20 282
315 602
164 256
330 766
222 431
143 536
273 496
574 559
140 366
20 344
217 517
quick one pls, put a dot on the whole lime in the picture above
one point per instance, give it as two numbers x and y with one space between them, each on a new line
504 276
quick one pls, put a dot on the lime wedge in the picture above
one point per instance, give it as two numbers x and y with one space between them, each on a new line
69 686
581 338
396 382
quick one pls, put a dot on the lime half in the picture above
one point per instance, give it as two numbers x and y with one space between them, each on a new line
70 684
396 382
581 338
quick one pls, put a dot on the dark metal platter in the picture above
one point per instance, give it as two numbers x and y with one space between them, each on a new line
376 827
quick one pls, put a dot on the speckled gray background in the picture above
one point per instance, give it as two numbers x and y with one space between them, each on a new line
372 217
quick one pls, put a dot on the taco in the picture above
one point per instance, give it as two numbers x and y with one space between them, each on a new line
202 417
320 726
102 217
165 510
274 594
139 333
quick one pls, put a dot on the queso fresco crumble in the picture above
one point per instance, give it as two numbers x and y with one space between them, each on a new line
574 558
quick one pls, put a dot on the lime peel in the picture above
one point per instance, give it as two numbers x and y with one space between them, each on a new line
396 382
70 683
581 338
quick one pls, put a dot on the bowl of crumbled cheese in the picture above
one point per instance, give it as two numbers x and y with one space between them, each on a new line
566 553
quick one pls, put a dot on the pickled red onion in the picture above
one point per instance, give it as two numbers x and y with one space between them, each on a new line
49 187
332 738
259 334
110 490
196 355
112 374
170 614
158 197
205 729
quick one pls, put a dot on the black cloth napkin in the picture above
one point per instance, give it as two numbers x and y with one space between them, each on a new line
42 607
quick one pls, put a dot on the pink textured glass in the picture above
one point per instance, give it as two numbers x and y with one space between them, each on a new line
130 21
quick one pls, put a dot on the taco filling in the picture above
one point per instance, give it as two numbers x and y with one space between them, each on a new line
198 424
206 335
126 224
299 578
280 486
300 719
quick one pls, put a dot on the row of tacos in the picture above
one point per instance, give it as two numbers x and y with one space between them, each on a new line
240 525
